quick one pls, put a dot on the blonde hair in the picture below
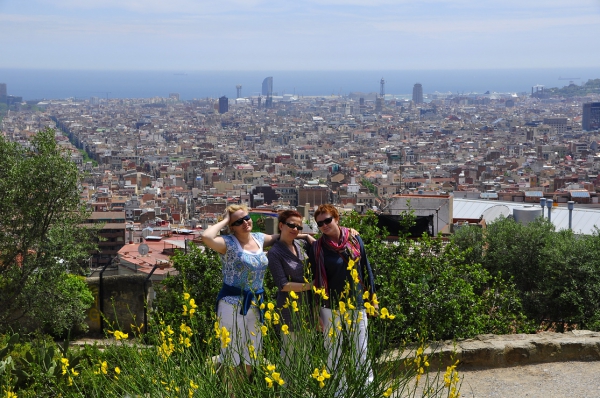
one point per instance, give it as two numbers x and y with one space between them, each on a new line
233 208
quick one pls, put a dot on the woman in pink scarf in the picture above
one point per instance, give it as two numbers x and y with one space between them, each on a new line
344 280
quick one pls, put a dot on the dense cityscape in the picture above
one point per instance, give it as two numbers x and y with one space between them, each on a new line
164 168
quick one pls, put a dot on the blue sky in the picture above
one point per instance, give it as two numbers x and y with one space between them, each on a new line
185 35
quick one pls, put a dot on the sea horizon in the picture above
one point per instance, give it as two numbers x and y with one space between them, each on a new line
45 84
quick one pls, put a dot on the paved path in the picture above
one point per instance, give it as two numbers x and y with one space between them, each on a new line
546 380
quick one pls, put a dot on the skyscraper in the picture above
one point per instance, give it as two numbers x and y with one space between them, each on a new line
3 93
418 93
590 120
267 86
223 104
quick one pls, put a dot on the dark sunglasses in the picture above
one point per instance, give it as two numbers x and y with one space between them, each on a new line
292 226
326 221
240 221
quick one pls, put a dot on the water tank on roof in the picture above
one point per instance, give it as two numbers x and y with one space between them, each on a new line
526 214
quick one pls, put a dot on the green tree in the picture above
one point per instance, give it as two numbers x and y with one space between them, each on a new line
41 235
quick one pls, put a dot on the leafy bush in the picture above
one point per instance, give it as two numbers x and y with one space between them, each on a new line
436 288
556 273
199 275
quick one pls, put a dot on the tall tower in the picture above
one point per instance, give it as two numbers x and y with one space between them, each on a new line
267 89
590 120
417 93
239 91
223 105
382 88
3 93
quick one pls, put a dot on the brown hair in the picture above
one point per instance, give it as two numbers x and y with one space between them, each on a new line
284 215
329 209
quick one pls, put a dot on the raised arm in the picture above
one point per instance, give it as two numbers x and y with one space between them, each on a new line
210 238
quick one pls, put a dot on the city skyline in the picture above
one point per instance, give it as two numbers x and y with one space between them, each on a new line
307 35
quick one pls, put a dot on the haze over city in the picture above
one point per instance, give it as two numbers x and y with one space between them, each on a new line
300 35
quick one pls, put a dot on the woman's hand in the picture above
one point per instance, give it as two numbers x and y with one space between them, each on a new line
226 217
307 237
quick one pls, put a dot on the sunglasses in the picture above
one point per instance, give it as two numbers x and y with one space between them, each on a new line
292 226
326 221
240 221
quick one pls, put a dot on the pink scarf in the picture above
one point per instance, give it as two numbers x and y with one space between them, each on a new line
348 248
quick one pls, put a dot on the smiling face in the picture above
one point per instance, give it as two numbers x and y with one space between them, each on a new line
236 217
288 233
329 225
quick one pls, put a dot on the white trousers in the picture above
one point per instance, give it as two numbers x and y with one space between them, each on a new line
243 331
333 323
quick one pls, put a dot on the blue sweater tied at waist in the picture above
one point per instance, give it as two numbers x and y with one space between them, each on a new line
248 296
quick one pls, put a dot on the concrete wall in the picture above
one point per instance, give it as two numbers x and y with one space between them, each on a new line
124 301
439 206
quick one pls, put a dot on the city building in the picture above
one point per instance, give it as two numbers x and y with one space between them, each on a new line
267 86
223 105
590 120
417 93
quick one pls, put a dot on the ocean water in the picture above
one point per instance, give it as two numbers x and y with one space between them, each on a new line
57 84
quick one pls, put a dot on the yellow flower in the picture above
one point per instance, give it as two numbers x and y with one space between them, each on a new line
117 372
10 394
354 274
120 335
269 382
185 310
193 303
350 305
295 306
270 306
225 339
293 295
342 307
104 367
350 264
268 316
321 292
285 329
275 318
186 296
252 351
263 330
387 392
385 314
374 299
320 376
270 367
193 385
277 377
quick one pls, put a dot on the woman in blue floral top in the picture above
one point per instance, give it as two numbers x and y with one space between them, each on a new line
244 266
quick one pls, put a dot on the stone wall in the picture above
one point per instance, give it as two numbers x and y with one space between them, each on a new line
124 301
